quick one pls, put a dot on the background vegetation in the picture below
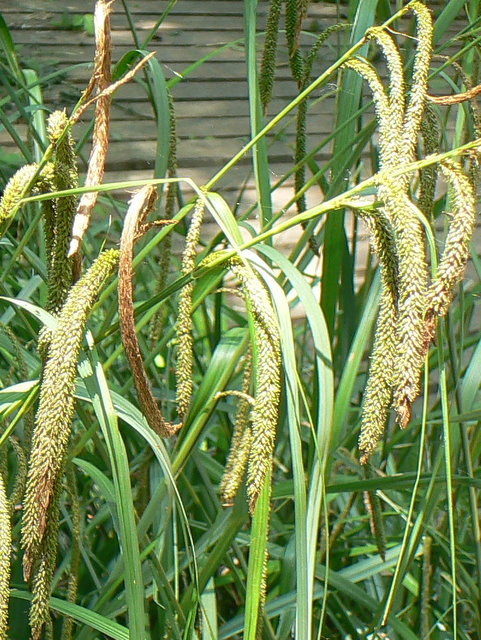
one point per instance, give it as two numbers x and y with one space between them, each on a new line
145 547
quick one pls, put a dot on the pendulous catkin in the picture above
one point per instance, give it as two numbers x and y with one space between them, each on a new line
5 551
18 490
428 175
13 192
185 356
378 393
241 442
409 304
412 287
268 65
59 227
43 570
456 250
264 415
419 88
158 321
56 406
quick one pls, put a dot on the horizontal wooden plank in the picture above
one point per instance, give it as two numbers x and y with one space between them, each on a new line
206 8
171 53
190 108
189 128
190 153
166 37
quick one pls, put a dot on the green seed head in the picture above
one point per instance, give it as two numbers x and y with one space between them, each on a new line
241 443
185 357
264 415
5 552
56 406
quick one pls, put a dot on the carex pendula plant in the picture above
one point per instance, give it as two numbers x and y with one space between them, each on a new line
249 520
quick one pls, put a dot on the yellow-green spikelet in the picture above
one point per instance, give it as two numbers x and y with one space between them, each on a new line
5 551
456 250
396 91
413 272
13 192
264 415
412 286
268 66
44 569
241 444
184 368
428 175
65 177
56 405
378 393
417 99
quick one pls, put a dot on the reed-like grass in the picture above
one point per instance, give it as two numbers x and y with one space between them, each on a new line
256 519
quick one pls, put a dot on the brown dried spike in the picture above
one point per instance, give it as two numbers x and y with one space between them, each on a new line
141 204
102 78
111 89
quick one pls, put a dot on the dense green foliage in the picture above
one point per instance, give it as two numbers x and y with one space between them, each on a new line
315 544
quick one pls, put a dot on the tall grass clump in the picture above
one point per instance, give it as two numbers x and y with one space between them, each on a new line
199 429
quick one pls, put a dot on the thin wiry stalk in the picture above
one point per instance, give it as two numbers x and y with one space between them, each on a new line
373 506
140 206
158 320
456 98
425 604
56 406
